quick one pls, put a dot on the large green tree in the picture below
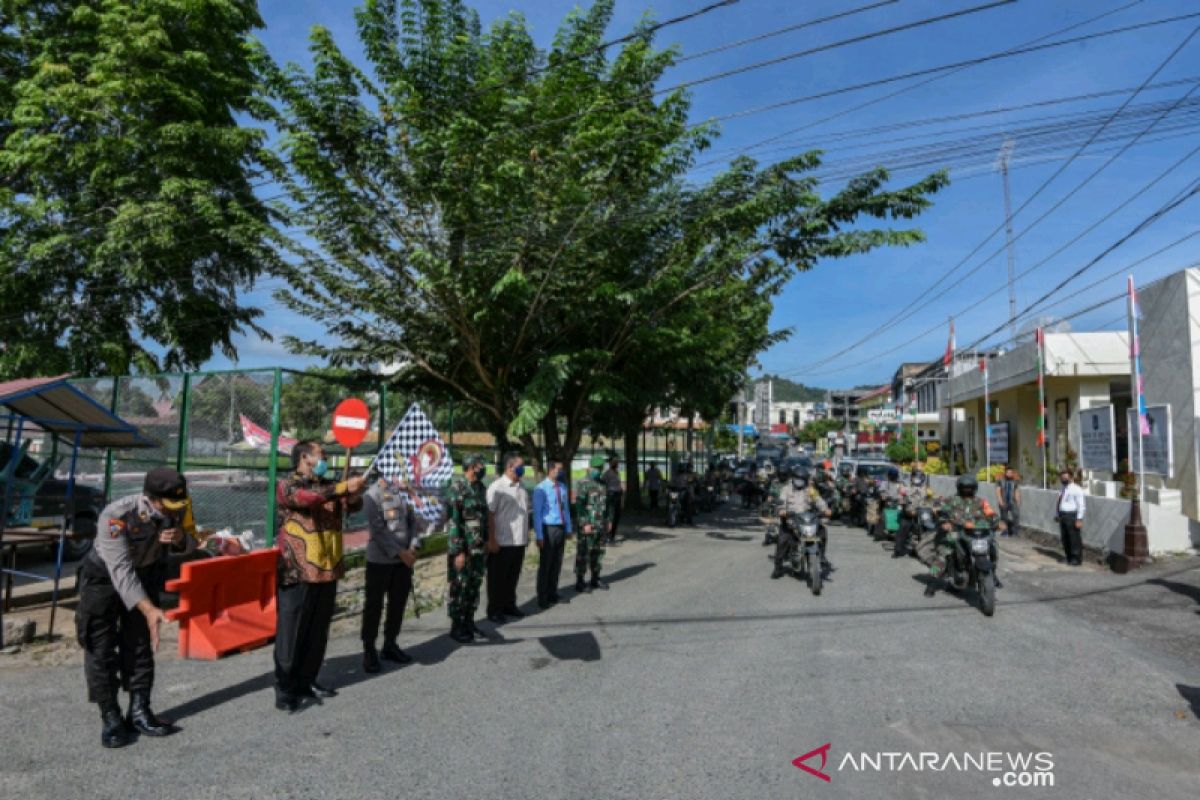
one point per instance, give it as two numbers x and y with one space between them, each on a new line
514 227
129 226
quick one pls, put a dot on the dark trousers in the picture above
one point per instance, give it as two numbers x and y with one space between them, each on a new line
503 574
1013 518
653 498
1072 540
304 612
614 512
554 541
906 524
392 581
116 640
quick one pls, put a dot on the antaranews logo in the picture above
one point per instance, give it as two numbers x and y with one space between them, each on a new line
1012 770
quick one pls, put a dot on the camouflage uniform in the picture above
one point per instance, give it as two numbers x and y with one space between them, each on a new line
591 508
468 513
958 511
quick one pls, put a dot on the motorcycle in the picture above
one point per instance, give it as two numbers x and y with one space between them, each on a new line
805 555
770 512
923 525
971 561
707 498
871 508
888 522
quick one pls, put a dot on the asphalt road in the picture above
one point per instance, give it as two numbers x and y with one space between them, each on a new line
694 677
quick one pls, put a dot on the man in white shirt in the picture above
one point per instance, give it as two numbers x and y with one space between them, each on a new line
1070 510
508 536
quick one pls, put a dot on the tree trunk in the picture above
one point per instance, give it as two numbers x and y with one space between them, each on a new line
633 484
691 428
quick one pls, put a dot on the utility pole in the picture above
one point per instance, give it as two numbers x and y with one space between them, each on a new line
1005 154
741 418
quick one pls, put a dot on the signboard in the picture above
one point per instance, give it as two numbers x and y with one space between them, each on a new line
998 443
762 403
779 428
351 420
1155 445
1097 439
881 415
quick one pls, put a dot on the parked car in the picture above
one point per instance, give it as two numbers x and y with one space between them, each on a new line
50 502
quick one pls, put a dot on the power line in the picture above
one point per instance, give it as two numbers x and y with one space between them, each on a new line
908 309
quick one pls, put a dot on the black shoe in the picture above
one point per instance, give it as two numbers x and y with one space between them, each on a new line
371 660
996 578
114 733
930 590
777 573
560 599
143 720
514 612
322 692
545 605
899 554
460 634
580 586
597 583
288 703
476 632
496 619
392 652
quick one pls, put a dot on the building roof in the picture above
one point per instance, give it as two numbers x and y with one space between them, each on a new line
54 405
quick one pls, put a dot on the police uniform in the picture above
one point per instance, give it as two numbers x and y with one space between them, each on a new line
127 566
468 535
591 508
392 526
793 502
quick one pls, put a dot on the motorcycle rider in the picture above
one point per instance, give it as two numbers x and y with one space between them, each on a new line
918 487
682 486
796 498
964 509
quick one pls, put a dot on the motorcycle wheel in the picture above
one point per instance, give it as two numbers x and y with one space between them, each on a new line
987 593
814 574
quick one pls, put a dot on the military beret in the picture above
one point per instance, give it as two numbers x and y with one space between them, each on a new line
471 459
167 485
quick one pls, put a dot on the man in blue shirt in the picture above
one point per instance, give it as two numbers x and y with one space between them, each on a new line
552 527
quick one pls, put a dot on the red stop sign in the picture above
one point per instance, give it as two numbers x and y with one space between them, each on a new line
351 420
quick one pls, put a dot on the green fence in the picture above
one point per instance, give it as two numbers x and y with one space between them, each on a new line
219 429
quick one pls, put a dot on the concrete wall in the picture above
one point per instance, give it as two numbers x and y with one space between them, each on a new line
1170 338
1104 522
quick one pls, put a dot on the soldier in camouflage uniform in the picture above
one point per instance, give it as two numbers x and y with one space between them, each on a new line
962 510
592 515
466 504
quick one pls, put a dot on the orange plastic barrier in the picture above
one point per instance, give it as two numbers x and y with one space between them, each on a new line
226 604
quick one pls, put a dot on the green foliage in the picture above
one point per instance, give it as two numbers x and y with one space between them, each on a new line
515 227
786 391
818 430
995 474
936 466
128 222
900 451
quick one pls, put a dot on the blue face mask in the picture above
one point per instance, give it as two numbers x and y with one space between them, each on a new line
320 468
519 471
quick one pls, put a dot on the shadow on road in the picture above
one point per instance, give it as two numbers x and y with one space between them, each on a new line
1050 553
1192 695
572 646
725 537
1185 589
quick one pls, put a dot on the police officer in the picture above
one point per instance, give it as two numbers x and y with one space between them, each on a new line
965 508
918 484
796 498
118 618
466 501
591 516
391 552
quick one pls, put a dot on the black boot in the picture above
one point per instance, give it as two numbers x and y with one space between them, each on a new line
930 589
474 630
371 659
778 573
114 732
392 652
461 634
580 586
143 719
597 583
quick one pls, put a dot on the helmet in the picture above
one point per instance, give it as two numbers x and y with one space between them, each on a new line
597 461
966 485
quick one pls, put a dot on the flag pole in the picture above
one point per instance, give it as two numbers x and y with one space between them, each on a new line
987 416
1041 379
1135 370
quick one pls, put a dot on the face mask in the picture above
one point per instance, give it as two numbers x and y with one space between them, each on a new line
320 468
1065 482
479 475
519 471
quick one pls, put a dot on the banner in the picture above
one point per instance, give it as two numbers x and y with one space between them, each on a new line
998 443
1097 439
259 438
416 455
1155 442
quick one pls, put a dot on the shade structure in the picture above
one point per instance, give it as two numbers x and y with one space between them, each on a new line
54 405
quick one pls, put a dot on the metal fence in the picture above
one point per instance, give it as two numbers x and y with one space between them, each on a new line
220 428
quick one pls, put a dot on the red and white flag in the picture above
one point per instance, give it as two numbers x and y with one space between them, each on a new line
259 437
949 356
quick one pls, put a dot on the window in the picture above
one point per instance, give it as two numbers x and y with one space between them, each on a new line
782 417
796 417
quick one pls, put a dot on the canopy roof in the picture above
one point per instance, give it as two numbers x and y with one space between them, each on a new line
54 405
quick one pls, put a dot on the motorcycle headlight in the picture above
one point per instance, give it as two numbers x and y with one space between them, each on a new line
808 530
980 546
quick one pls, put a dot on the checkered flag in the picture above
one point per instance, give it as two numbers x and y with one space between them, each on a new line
416 453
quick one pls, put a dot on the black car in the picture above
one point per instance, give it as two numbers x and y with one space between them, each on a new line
50 503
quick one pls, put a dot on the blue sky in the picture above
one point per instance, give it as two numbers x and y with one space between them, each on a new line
841 301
